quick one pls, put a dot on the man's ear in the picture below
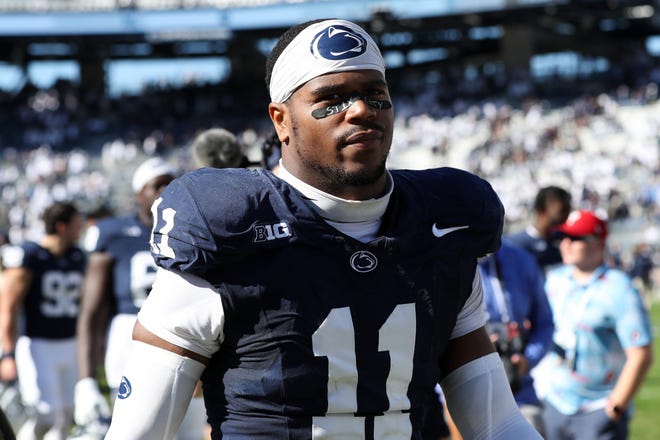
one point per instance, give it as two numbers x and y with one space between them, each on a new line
279 114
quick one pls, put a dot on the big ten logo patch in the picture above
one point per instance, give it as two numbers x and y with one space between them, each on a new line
270 232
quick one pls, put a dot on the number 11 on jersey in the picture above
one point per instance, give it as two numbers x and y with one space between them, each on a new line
335 339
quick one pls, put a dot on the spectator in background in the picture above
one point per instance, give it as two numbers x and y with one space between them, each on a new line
640 270
551 207
602 344
218 148
519 320
43 282
118 278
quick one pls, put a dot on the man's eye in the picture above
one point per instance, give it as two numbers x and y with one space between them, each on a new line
376 93
332 99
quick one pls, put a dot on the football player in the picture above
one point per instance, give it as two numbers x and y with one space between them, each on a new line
321 302
118 278
43 282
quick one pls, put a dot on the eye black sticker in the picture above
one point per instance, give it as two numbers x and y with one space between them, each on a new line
334 109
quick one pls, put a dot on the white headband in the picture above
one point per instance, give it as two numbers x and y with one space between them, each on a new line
324 47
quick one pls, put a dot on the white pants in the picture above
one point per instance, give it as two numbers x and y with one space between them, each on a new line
47 375
47 372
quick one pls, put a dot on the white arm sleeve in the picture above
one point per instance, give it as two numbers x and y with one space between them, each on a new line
481 404
153 395
472 315
184 310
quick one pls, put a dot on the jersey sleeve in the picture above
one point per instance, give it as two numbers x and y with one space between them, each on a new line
455 198
470 200
91 239
13 257
180 237
99 236
202 219
471 316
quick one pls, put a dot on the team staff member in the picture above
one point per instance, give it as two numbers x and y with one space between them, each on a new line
552 205
319 303
519 320
602 340
44 279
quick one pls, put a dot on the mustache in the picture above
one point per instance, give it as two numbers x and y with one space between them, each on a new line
365 126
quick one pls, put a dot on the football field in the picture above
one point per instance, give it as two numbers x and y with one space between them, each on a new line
646 420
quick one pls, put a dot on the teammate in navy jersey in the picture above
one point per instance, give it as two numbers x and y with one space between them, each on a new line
326 301
43 282
118 278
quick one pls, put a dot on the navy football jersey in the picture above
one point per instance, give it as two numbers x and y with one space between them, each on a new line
51 304
325 334
126 239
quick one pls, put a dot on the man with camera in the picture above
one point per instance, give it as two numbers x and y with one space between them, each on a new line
519 320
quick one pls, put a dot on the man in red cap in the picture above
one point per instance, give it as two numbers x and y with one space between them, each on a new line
602 341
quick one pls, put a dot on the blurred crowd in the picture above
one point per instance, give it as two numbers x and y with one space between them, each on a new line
601 141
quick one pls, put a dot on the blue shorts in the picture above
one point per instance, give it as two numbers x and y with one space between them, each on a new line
594 425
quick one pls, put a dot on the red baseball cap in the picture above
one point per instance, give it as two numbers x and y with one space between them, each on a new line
583 223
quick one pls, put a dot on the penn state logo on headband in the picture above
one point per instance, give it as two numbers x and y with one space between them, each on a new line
324 47
338 43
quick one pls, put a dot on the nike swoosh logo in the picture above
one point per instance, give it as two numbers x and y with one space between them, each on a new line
438 232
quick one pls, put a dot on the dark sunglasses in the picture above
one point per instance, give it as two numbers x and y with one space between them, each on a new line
585 238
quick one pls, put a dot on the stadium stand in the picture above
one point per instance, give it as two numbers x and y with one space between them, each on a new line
109 5
603 144
595 131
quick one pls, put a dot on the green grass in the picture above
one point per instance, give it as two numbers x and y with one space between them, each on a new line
646 421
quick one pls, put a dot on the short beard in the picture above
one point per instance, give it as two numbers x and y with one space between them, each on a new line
335 178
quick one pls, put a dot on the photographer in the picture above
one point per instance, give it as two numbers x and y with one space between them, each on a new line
519 320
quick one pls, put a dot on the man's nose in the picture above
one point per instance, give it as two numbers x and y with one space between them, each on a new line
360 108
